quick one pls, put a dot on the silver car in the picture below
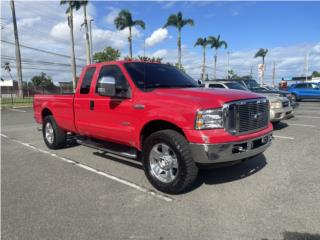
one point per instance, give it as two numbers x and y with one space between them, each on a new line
280 107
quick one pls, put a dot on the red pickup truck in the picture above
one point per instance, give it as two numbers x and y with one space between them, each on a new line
159 115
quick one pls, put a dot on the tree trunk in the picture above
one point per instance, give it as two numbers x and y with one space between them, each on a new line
179 48
87 35
17 46
215 65
73 59
130 42
204 64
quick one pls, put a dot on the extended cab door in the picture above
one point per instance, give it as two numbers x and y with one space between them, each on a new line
111 117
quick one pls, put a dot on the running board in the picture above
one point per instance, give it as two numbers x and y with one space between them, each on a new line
108 147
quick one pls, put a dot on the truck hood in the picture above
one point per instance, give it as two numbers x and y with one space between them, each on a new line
204 97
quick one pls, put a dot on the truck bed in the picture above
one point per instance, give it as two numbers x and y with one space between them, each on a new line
61 107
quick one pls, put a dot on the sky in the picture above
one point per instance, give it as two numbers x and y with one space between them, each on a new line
289 30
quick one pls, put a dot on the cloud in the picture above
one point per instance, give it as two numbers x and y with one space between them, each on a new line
109 19
157 36
160 53
28 22
168 5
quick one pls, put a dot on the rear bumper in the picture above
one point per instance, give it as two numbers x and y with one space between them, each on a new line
230 151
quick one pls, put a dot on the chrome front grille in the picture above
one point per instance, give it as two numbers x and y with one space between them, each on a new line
246 116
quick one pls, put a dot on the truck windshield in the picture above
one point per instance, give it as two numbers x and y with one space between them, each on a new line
154 75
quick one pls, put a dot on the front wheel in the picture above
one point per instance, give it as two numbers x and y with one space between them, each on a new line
295 98
168 163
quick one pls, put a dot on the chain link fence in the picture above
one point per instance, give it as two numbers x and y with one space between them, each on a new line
10 95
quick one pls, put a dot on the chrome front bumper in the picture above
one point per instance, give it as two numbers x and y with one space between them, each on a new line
227 152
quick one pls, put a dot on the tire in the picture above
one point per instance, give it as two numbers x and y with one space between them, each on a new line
295 98
58 136
184 169
276 124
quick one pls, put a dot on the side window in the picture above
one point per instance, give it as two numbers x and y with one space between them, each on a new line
122 85
216 86
301 85
86 81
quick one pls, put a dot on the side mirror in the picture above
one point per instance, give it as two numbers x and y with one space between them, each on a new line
107 86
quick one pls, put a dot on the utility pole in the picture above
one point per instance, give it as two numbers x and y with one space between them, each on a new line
273 74
17 46
306 65
228 68
251 71
90 27
87 35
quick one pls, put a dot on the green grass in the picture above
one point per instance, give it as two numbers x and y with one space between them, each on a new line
16 102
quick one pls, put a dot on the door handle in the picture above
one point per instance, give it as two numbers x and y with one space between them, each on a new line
91 104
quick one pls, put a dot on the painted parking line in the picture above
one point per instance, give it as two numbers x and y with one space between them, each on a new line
302 125
303 116
17 110
96 171
283 137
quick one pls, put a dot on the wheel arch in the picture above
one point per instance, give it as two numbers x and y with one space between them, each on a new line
45 112
155 126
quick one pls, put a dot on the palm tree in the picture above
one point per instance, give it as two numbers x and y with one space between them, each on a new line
216 43
124 20
261 53
177 21
7 68
72 5
84 4
203 43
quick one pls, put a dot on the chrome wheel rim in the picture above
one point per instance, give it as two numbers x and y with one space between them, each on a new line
49 133
163 163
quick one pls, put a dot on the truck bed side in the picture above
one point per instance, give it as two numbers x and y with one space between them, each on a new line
61 106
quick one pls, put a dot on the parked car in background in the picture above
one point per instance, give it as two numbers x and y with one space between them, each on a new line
305 90
280 107
253 86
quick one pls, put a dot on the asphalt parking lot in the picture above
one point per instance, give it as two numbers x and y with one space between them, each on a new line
79 193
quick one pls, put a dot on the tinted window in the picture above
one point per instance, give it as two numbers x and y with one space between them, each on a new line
234 85
216 86
153 75
301 85
115 72
86 81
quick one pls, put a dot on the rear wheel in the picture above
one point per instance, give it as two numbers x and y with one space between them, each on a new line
54 137
168 163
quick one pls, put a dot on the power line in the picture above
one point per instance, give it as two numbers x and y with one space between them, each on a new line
41 50
35 62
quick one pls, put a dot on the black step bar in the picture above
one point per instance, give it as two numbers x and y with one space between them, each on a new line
108 147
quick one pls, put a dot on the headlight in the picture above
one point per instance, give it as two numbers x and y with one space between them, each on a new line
208 119
275 105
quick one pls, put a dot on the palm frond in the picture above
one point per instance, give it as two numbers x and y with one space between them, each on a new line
261 53
188 21
172 21
139 23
